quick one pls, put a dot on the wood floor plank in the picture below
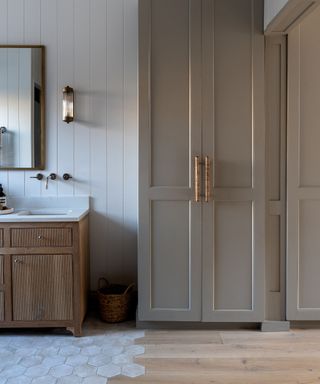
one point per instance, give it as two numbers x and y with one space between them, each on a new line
228 357
215 365
256 378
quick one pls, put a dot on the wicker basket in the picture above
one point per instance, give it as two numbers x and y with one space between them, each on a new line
114 301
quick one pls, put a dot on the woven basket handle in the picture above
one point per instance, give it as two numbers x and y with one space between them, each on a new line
105 281
130 287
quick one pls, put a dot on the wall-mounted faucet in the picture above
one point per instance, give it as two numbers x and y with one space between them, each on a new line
66 176
52 176
38 176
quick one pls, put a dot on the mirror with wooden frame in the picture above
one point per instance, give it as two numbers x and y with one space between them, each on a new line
22 107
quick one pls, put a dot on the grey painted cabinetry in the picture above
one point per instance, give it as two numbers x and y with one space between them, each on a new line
303 176
201 74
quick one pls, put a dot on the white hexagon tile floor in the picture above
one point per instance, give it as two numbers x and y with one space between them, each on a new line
56 357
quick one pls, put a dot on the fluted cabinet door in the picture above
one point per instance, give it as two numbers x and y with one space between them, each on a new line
170 137
42 287
1 288
234 140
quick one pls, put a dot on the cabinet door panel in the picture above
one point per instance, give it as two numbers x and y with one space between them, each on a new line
303 176
234 139
1 288
42 287
170 136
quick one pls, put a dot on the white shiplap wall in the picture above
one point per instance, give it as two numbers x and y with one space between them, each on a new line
90 45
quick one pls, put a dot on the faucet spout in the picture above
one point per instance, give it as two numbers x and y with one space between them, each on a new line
52 176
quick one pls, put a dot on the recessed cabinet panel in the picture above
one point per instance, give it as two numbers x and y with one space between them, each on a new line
273 260
42 287
309 260
233 256
170 255
170 133
233 121
309 132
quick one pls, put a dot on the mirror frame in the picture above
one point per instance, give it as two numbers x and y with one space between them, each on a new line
43 110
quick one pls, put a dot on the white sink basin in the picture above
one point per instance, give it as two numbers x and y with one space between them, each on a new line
44 212
47 209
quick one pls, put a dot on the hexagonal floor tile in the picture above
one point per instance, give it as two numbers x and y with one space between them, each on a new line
44 380
85 370
61 370
105 350
30 361
69 350
37 371
19 380
13 371
122 359
133 370
90 350
77 360
134 350
69 380
99 360
94 380
109 370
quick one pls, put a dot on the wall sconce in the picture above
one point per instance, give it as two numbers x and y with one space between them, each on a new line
67 104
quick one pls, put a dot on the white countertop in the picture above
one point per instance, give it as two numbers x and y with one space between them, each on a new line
46 209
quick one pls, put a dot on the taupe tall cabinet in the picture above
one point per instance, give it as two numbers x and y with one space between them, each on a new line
201 95
303 179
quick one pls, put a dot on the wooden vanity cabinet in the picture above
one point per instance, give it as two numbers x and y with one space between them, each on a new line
44 274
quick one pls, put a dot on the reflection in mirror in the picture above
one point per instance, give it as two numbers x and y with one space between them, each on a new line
21 107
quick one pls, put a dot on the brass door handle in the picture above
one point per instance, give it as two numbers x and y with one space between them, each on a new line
207 180
197 179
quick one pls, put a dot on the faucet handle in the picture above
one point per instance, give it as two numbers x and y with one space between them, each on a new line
52 176
39 176
66 176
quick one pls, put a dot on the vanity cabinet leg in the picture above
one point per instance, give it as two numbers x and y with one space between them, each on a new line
76 330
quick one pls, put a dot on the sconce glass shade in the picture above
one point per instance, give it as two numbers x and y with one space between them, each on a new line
67 104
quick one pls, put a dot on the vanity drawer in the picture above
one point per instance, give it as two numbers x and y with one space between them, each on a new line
41 237
1 269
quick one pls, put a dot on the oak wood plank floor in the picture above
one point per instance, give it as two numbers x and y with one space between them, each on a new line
228 357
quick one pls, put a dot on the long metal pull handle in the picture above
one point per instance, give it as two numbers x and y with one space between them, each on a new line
207 180
2 131
197 179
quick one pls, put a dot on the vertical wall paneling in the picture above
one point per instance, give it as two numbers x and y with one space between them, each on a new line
65 25
98 137
92 46
81 173
3 79
130 153
49 38
115 135
15 36
32 35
